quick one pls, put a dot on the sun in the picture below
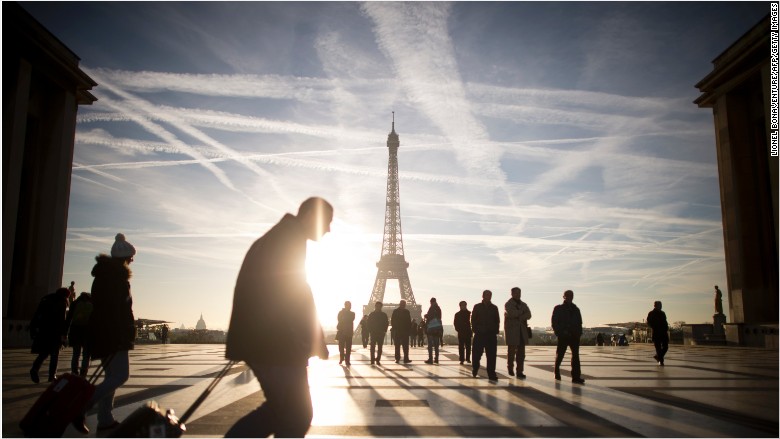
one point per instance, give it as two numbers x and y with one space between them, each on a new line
340 267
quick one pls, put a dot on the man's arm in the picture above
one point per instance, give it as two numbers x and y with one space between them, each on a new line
512 309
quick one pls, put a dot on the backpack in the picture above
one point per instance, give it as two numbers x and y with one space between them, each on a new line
81 313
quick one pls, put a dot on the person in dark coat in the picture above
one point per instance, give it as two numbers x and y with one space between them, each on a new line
656 319
274 326
567 325
48 331
377 327
516 315
413 334
111 328
421 332
345 329
485 323
402 323
599 339
462 324
78 333
434 329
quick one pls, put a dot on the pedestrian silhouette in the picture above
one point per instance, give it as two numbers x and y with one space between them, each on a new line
462 324
599 339
402 326
377 327
364 331
274 326
48 331
656 320
72 292
421 332
78 333
567 325
434 329
413 334
345 331
516 316
485 322
112 329
164 334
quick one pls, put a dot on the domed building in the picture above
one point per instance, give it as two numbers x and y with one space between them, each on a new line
201 323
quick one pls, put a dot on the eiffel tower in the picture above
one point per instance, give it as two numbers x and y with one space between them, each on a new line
392 264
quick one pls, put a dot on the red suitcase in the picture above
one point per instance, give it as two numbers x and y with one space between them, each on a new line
60 404
63 401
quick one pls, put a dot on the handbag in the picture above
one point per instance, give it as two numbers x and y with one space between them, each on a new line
434 323
530 331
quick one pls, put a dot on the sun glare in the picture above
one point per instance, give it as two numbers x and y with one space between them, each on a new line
341 266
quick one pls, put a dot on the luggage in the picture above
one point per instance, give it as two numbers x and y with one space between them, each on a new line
62 402
151 421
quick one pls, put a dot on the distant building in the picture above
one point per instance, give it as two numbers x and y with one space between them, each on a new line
201 325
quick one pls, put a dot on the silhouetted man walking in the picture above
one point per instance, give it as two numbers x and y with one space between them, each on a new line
402 324
656 319
49 331
516 315
271 293
377 328
485 323
567 324
462 324
344 331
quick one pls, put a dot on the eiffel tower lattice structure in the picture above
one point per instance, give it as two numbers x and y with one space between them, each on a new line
392 263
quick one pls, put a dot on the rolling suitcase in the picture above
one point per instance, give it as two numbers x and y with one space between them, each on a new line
150 420
62 402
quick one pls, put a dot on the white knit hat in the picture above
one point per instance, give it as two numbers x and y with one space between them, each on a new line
122 248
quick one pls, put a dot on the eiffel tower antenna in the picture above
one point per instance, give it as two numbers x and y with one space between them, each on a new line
392 264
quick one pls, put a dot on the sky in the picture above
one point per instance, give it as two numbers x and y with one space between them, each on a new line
544 145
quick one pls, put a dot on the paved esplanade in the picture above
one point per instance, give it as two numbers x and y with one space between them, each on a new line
701 392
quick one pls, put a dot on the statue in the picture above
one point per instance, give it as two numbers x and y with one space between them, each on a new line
718 301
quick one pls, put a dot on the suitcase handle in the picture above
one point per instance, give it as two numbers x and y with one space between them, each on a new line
206 393
99 370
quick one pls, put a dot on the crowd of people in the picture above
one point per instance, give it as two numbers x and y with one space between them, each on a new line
271 292
477 333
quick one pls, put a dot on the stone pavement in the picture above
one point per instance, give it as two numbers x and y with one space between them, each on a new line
701 392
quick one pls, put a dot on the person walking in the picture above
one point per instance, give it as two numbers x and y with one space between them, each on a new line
48 331
345 331
402 325
434 330
364 331
112 329
377 328
567 325
77 323
656 320
271 293
421 332
516 316
462 324
71 293
413 334
485 322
